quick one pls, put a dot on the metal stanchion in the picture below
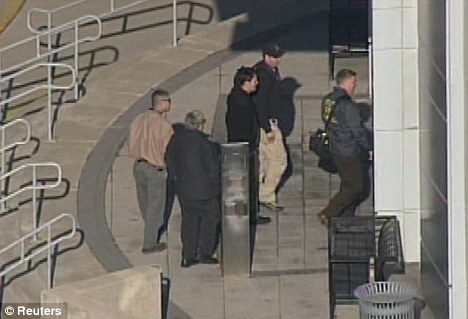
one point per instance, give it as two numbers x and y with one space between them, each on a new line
235 202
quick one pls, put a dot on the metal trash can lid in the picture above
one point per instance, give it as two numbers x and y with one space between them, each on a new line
386 298
385 292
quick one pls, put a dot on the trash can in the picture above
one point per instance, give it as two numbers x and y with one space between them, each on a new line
385 300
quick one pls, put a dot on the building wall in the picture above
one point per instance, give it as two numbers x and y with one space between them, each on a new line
396 119
457 93
420 99
433 139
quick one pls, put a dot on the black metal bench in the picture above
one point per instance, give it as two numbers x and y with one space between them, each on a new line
352 243
390 258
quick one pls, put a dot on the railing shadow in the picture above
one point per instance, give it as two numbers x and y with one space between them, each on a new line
33 265
189 20
43 195
94 60
11 160
98 57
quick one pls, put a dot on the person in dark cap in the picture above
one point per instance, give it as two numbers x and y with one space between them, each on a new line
194 162
272 152
273 50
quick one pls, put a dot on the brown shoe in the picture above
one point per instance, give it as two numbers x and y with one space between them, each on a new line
155 249
272 206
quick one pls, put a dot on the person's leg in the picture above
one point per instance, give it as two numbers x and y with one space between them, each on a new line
349 170
275 153
141 187
262 157
253 185
189 228
156 199
170 198
209 219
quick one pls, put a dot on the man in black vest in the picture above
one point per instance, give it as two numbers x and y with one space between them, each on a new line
350 146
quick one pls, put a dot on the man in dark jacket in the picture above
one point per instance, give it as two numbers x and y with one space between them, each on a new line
268 99
242 126
350 146
194 162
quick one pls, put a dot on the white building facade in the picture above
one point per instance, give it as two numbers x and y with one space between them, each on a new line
420 130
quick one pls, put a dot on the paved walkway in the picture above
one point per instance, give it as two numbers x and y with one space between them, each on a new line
290 278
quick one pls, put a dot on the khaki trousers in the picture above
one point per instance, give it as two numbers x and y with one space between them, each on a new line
273 161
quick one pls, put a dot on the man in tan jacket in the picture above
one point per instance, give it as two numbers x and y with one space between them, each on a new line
150 133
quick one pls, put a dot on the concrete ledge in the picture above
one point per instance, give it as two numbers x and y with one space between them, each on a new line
8 12
132 293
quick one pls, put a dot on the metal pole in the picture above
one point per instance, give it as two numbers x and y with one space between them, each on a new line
49 258
49 103
3 171
174 23
34 203
77 70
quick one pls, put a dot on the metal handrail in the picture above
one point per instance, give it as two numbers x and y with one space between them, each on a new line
25 257
23 141
7 147
49 13
111 7
34 187
49 33
49 86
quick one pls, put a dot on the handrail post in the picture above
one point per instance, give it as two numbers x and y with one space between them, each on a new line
49 258
26 256
3 171
174 23
34 201
2 107
49 102
76 60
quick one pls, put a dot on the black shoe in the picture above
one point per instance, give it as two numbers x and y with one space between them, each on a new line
208 260
185 263
262 220
156 248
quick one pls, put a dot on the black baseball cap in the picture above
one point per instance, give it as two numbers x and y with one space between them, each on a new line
272 49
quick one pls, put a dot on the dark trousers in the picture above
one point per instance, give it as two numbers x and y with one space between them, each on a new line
199 229
253 184
354 187
170 197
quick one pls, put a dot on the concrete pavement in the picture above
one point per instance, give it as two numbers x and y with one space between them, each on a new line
290 277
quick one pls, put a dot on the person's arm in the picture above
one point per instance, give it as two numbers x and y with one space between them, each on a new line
169 157
262 97
354 123
213 164
238 124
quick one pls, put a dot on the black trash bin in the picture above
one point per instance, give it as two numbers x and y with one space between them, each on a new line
351 245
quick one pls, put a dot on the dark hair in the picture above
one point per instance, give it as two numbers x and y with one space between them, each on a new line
243 74
344 74
157 95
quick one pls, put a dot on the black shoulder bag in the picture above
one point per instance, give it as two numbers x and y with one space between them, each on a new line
319 143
